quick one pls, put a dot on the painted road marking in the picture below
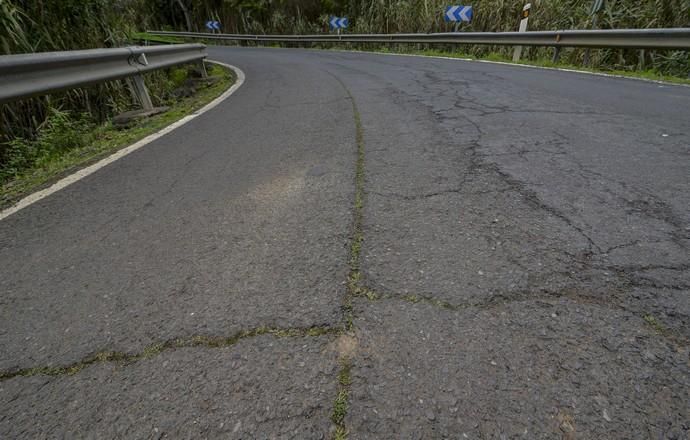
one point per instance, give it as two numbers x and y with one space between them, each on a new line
77 176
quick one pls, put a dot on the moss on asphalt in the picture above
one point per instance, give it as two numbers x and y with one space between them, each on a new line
157 348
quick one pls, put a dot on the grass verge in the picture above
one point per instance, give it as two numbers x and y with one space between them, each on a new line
648 74
93 142
162 39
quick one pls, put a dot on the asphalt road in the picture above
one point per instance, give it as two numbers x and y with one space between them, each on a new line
524 269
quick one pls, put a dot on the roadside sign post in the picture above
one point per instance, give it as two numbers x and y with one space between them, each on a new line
523 28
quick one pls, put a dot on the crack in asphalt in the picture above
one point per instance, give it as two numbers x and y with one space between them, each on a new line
342 400
356 286
633 276
494 301
532 198
642 201
158 348
523 296
476 164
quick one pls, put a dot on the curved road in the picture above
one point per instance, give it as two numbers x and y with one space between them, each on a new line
524 266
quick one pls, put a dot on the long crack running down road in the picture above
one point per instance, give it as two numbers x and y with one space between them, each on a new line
366 246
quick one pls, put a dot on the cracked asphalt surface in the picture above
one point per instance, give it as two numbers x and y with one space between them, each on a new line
524 266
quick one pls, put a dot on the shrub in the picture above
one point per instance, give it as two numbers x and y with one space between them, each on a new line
60 133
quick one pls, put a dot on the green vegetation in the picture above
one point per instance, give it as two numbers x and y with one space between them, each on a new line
340 410
159 347
347 339
37 25
354 276
155 39
67 140
393 16
649 74
655 324
342 399
50 133
45 25
43 137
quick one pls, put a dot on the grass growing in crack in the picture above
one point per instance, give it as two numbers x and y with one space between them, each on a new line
344 377
155 349
340 408
673 336
655 324
432 301
152 350
357 289
340 433
354 288
348 314
354 277
341 404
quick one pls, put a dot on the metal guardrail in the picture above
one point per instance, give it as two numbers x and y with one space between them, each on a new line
27 75
671 38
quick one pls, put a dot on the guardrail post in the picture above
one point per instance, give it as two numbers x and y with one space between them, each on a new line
142 92
202 69
556 54
642 59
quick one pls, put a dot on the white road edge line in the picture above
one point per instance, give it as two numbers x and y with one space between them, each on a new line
80 174
505 63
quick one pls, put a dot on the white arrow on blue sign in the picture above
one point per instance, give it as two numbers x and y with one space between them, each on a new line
213 25
458 13
338 22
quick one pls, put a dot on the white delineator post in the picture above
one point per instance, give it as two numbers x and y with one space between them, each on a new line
523 28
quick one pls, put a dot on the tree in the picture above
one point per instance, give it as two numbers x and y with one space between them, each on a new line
185 11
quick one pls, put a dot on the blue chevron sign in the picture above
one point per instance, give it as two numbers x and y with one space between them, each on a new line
458 13
213 25
338 22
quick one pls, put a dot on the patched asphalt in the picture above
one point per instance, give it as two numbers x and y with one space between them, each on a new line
525 256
